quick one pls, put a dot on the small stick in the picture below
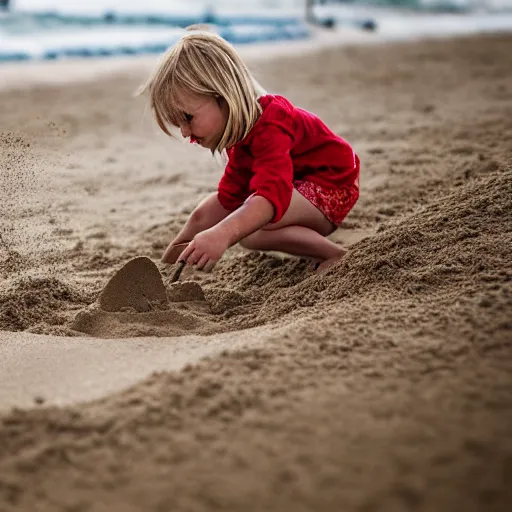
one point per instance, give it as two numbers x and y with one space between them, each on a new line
177 271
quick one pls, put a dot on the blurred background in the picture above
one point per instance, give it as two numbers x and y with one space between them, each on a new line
55 29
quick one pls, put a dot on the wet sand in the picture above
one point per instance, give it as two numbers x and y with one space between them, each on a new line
383 384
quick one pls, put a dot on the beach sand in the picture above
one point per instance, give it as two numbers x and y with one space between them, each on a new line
384 384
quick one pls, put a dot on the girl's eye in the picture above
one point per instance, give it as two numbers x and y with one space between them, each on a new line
189 117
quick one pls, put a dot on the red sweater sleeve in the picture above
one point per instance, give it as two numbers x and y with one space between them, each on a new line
272 168
232 190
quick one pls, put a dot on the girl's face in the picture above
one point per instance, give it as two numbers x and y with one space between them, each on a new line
205 119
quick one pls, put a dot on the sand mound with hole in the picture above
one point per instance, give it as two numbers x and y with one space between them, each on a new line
380 385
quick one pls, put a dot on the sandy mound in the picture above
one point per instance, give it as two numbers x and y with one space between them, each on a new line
28 302
381 385
137 286
135 302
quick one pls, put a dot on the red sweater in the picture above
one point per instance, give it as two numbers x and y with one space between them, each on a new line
287 143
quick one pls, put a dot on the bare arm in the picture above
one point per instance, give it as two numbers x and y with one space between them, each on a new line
209 245
255 213
207 214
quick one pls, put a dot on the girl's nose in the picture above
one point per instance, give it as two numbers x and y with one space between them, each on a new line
185 130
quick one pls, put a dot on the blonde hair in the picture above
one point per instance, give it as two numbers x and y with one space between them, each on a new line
204 63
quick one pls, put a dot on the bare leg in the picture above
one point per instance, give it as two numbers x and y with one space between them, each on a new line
302 232
296 240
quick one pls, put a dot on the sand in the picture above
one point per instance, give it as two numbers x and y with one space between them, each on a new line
384 384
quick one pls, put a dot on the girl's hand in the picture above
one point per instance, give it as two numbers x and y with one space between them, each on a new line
173 251
206 249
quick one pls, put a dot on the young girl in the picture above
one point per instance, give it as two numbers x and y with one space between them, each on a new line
289 181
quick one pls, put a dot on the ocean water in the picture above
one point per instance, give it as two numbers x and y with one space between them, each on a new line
39 29
52 29
95 6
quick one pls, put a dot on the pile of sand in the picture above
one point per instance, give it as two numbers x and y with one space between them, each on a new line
381 385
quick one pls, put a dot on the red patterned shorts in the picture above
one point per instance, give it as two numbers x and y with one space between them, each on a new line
335 204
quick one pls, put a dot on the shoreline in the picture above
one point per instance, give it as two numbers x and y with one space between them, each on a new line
28 74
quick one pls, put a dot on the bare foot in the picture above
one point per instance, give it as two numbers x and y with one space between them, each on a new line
322 267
